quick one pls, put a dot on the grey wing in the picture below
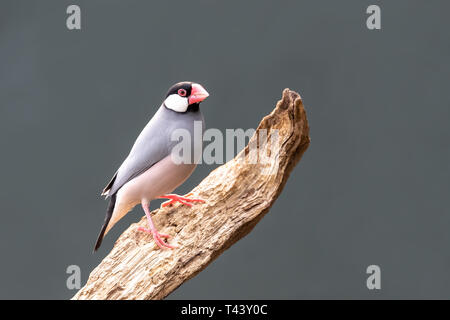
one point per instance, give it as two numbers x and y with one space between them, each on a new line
151 146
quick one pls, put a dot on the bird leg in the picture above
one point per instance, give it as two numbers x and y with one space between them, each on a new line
181 199
152 230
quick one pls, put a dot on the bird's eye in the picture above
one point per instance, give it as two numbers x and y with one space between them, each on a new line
182 92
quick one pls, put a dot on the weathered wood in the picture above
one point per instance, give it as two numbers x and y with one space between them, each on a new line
238 194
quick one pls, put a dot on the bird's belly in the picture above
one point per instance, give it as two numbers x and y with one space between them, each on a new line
162 178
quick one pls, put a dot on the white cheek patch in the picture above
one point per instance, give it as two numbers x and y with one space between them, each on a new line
177 103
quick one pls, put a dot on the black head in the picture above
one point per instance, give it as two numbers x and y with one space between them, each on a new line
185 96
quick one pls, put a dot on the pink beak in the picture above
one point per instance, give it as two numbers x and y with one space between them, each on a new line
198 94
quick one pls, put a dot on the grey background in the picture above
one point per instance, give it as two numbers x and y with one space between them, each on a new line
372 188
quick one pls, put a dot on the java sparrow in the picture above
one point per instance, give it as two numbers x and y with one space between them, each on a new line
149 171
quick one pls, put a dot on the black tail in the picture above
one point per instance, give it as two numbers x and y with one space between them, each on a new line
109 213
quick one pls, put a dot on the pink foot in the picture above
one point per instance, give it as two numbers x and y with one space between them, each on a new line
157 237
174 198
152 230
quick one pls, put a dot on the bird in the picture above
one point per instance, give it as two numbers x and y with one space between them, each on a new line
149 171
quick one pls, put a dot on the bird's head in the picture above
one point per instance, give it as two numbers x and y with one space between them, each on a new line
185 96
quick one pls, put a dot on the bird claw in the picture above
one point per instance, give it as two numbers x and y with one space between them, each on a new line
185 200
157 237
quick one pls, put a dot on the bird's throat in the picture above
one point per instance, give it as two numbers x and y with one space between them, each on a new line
193 107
